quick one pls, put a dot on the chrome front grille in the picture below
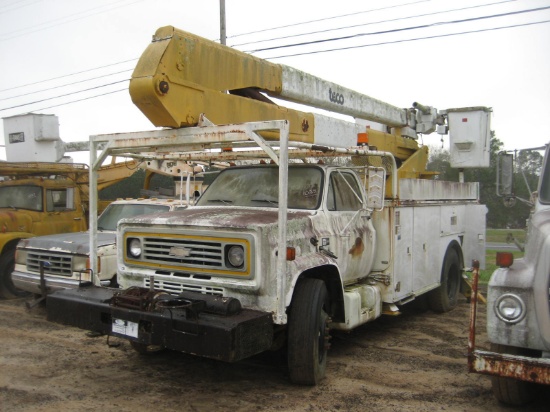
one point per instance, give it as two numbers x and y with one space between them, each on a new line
175 287
194 253
183 252
54 264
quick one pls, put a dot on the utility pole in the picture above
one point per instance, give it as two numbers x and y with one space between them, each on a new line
223 39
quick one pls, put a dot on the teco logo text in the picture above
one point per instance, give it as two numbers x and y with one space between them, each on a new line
335 97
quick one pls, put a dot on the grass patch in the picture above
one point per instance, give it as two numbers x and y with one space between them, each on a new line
490 266
500 235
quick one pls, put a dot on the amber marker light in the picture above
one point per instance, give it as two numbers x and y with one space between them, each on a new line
290 253
89 264
505 259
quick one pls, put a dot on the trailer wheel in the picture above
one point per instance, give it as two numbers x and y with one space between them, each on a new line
308 332
7 288
509 390
445 297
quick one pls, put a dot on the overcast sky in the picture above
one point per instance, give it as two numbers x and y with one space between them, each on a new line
94 45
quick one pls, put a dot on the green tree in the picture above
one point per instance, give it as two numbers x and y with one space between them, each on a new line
498 215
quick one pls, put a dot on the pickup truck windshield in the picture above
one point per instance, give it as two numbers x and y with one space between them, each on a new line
258 186
21 197
114 212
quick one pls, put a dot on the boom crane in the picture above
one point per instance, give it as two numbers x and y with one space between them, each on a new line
181 75
282 247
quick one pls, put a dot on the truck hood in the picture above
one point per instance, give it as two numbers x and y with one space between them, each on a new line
75 243
227 217
539 237
537 253
12 220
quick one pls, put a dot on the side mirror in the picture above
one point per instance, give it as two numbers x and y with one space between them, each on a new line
505 175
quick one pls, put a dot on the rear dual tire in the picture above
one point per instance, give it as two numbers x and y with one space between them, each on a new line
445 297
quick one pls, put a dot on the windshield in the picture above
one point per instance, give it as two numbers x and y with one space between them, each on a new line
544 190
21 197
114 212
259 186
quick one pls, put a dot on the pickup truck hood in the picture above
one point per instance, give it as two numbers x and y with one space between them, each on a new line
75 243
227 217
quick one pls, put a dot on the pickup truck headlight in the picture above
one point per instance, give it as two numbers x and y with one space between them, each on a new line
235 255
134 247
510 308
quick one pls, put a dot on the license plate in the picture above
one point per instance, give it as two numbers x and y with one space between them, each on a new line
125 327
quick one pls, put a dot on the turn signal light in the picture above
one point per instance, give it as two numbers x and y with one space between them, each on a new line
505 259
290 253
89 264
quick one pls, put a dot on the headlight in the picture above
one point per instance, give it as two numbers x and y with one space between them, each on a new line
235 256
20 257
510 308
134 247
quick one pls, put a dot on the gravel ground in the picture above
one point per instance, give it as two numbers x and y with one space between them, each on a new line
412 362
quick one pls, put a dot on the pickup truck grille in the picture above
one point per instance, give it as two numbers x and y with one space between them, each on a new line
188 252
54 264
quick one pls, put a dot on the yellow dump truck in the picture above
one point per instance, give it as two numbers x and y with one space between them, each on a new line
39 198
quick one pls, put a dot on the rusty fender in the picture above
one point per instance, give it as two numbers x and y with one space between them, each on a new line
523 368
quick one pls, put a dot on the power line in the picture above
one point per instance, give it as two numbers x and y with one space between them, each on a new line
66 84
423 26
80 100
57 22
327 18
373 23
63 95
68 75
16 8
408 40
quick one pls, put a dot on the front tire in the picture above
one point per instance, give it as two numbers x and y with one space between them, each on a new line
512 391
7 288
445 297
308 332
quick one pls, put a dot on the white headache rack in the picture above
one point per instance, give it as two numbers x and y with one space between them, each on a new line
214 144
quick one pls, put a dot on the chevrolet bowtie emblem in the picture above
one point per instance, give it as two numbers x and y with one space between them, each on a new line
179 251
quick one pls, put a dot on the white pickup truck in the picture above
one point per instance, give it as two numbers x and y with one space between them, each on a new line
65 257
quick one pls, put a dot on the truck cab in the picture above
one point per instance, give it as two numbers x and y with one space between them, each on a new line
518 306
31 207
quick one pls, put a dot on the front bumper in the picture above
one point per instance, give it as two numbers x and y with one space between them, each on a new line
205 332
523 368
30 282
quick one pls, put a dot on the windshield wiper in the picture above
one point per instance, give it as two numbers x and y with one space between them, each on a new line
224 201
273 202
